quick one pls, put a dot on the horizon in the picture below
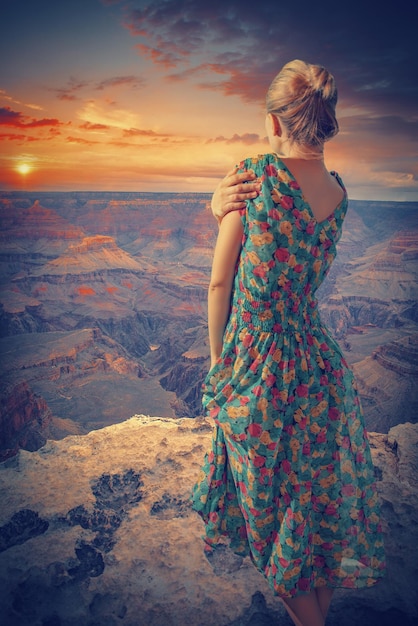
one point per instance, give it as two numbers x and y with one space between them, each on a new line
167 96
113 192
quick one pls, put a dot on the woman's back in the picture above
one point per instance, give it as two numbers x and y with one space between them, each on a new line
287 247
320 189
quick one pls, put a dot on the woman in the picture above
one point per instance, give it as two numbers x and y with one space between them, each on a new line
289 479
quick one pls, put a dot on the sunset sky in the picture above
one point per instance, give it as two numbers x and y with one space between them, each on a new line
167 95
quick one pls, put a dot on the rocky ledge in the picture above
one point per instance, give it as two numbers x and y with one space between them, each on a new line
98 530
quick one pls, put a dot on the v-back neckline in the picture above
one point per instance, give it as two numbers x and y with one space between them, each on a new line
331 215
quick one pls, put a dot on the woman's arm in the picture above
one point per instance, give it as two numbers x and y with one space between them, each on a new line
225 257
232 192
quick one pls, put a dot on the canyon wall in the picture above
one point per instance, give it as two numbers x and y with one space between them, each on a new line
117 284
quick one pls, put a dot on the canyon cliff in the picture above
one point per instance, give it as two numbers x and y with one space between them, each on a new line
98 530
110 288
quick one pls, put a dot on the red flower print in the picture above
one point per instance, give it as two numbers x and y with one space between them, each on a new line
258 391
242 532
264 226
321 437
260 271
282 255
303 584
331 509
302 390
259 461
254 430
287 499
286 202
275 214
270 170
310 228
259 546
333 414
348 490
293 184
286 466
243 488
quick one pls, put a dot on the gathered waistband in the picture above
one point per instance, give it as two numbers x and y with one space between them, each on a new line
260 315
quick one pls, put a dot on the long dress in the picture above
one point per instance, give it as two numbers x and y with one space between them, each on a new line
289 478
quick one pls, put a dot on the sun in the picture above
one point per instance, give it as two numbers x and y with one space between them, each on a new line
23 168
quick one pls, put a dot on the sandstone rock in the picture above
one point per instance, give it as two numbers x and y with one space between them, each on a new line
97 529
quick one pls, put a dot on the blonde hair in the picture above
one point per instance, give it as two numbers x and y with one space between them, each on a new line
304 97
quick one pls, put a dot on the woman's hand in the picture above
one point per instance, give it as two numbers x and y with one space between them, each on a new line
233 191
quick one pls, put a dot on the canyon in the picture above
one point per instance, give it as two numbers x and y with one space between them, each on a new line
103 326
103 310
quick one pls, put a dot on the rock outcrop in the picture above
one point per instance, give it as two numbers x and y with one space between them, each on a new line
25 418
98 529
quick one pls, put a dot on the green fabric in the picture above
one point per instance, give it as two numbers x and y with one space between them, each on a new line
289 479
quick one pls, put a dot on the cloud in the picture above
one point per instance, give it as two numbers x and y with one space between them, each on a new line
5 96
135 132
74 88
8 117
81 140
94 112
120 81
369 52
247 139
90 126
15 137
71 90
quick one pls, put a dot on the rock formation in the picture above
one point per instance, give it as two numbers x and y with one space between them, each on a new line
98 530
387 383
133 269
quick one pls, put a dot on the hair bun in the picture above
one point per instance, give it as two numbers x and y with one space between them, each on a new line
304 96
322 82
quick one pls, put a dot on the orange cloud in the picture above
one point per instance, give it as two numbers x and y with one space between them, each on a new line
91 126
8 117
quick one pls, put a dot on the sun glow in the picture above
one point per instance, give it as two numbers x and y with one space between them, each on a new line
23 168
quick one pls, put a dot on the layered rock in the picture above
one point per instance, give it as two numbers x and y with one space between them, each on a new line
98 529
48 378
136 267
387 383
24 419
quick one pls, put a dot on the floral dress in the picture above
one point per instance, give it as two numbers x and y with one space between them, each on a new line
289 479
